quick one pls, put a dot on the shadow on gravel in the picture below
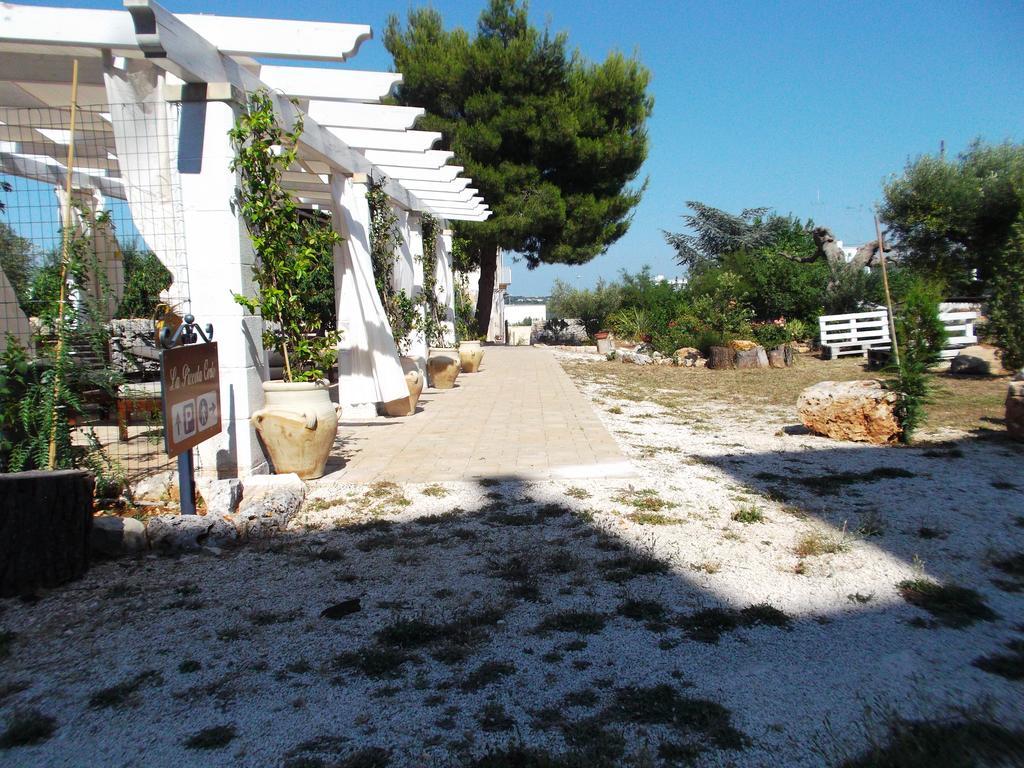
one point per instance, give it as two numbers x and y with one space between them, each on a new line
523 633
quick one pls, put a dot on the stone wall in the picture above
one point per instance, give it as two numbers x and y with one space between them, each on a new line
132 347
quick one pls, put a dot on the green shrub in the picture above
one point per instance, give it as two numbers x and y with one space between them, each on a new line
771 335
921 336
798 330
592 306
1006 314
631 323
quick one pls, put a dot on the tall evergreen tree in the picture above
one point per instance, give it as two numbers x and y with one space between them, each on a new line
551 140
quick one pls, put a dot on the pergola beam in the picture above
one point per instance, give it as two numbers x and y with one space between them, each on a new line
432 158
342 114
397 141
329 84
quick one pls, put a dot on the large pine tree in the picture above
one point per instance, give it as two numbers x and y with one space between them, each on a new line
551 140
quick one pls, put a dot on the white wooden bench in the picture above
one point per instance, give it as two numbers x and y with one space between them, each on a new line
857 332
959 332
854 333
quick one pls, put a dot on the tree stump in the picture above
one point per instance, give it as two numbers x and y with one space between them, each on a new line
752 358
722 357
781 357
45 523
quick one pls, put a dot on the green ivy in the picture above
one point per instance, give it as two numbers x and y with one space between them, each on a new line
401 310
289 247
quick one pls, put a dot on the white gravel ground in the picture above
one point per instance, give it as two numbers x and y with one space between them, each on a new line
237 639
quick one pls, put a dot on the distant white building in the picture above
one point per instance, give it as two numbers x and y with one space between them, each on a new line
675 282
520 308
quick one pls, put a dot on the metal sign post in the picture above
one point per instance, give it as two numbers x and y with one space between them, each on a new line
190 395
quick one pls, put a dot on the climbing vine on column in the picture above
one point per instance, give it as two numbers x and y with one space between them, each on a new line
433 315
399 307
290 247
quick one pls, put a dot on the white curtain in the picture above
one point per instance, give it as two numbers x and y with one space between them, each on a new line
106 285
368 367
146 137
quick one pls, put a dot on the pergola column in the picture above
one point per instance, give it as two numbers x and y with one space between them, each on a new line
447 279
368 369
220 260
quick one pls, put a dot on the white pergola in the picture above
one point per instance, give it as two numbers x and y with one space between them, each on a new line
139 60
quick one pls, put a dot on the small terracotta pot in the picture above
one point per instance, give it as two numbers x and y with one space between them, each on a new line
471 354
405 406
443 367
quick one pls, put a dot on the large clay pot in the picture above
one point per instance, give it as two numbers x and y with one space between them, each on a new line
471 354
297 424
405 406
443 367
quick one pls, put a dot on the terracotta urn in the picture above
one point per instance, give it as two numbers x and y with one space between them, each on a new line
405 406
443 366
471 354
297 425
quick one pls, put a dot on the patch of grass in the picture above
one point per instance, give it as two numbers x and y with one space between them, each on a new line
709 624
123 693
927 532
26 727
436 491
951 605
653 518
214 737
487 673
615 409
943 744
583 622
1009 665
188 666
748 514
861 599
376 661
814 543
663 705
871 525
644 500
1004 485
493 717
518 572
586 697
626 567
410 633
576 492
642 610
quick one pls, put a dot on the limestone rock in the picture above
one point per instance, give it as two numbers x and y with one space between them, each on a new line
221 496
664 361
862 411
113 536
752 358
1015 409
635 357
189 533
161 486
269 502
687 356
741 345
978 360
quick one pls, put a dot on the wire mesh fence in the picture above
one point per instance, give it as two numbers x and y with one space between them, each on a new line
87 280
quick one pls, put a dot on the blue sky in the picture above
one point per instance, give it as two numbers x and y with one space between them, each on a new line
805 107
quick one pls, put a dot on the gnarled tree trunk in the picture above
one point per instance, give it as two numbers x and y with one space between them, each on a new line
488 261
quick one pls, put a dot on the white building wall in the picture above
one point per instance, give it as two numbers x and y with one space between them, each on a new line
515 313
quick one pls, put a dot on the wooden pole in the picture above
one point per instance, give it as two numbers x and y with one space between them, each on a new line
888 296
65 248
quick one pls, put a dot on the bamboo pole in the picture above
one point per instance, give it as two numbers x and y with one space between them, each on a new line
888 296
65 248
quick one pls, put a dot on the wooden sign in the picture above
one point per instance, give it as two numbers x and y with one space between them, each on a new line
190 376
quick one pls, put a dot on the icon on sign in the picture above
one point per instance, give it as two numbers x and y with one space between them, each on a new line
207 405
183 418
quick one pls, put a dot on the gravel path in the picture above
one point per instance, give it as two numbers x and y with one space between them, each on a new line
662 620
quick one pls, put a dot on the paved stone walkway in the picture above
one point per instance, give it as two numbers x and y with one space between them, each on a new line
519 416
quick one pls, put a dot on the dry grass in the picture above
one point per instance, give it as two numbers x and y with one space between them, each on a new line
958 402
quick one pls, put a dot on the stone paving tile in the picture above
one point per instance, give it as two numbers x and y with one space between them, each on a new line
520 416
